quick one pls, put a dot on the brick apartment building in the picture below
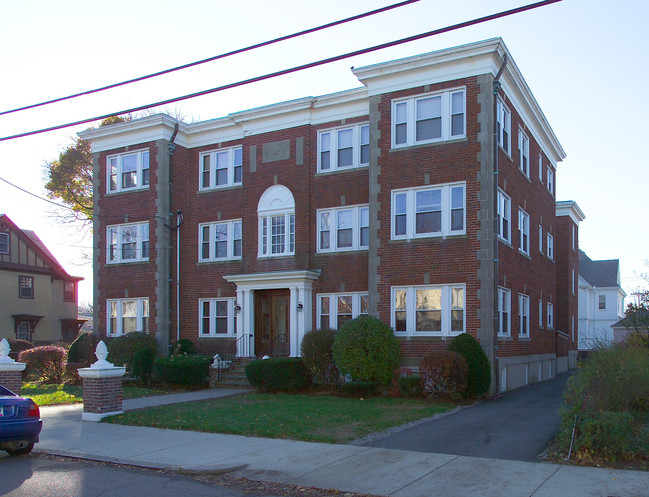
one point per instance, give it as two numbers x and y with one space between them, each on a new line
426 198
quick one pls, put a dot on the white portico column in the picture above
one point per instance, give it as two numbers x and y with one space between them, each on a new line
245 323
295 314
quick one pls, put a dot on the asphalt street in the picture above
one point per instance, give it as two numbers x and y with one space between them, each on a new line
516 426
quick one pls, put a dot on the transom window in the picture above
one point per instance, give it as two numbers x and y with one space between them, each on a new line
220 241
276 212
344 148
336 308
429 118
504 126
128 171
428 211
428 310
26 287
127 316
4 243
127 243
524 230
221 168
524 153
217 317
504 217
524 315
504 311
343 228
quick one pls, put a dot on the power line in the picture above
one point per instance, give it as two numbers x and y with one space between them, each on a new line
216 57
291 70
37 196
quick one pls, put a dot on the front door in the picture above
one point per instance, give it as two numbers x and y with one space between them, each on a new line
272 322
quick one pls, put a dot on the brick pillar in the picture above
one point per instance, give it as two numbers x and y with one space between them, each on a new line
102 392
11 372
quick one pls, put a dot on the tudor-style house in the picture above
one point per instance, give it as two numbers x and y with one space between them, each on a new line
38 298
426 198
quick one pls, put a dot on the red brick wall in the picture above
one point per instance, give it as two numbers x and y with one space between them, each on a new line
102 395
567 261
12 380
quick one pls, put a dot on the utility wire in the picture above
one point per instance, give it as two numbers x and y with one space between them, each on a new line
37 196
293 69
216 57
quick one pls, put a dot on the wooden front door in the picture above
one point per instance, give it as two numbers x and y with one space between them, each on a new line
272 313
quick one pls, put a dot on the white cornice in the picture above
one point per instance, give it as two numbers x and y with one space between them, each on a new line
570 208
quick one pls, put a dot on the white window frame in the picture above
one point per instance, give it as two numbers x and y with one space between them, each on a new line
211 229
446 209
550 181
524 232
327 240
234 161
333 301
550 245
550 313
540 238
573 282
524 153
601 302
118 231
504 126
446 301
4 242
115 168
523 315
266 243
541 168
141 317
405 109
504 214
360 143
574 238
212 317
540 313
504 312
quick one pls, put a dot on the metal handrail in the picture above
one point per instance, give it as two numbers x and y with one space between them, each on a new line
243 348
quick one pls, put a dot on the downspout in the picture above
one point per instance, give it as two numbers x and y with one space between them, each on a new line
171 149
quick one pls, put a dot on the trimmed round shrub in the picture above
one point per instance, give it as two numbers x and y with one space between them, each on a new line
184 346
366 349
47 362
143 364
316 350
409 386
280 374
184 370
122 349
479 375
444 373
83 349
17 346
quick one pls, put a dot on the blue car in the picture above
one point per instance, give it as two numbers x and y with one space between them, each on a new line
20 423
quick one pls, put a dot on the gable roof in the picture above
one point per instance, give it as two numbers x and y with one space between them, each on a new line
599 273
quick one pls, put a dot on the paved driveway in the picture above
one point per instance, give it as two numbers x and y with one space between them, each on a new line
517 426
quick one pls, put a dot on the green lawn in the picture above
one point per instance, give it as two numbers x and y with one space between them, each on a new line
50 395
298 417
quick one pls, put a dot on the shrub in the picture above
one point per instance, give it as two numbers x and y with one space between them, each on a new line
184 346
143 364
409 386
366 349
444 373
185 370
479 374
607 434
83 349
46 362
281 374
17 346
122 349
316 350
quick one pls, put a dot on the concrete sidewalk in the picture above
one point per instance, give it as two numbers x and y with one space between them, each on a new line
342 467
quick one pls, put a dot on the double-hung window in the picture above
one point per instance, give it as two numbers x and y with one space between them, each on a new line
428 310
550 244
550 315
276 211
504 312
429 118
504 217
541 168
504 126
26 287
221 168
336 308
69 291
4 243
524 153
524 230
550 180
128 243
540 238
540 313
344 148
524 316
128 171
343 228
217 317
220 241
601 302
127 316
428 211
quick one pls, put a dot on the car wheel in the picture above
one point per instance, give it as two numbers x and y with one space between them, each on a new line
20 448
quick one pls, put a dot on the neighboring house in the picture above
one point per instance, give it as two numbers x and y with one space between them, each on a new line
242 233
38 298
635 321
601 301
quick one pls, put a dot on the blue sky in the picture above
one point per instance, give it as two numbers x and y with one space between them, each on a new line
584 61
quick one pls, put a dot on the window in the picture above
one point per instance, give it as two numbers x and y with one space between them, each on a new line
550 315
504 217
428 310
276 222
127 316
336 308
69 291
524 153
343 228
221 168
344 148
504 126
550 180
220 241
504 312
540 313
601 302
524 229
217 317
523 316
26 287
129 171
127 243
4 243
24 331
574 238
573 282
540 238
540 168
428 118
428 211
550 244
